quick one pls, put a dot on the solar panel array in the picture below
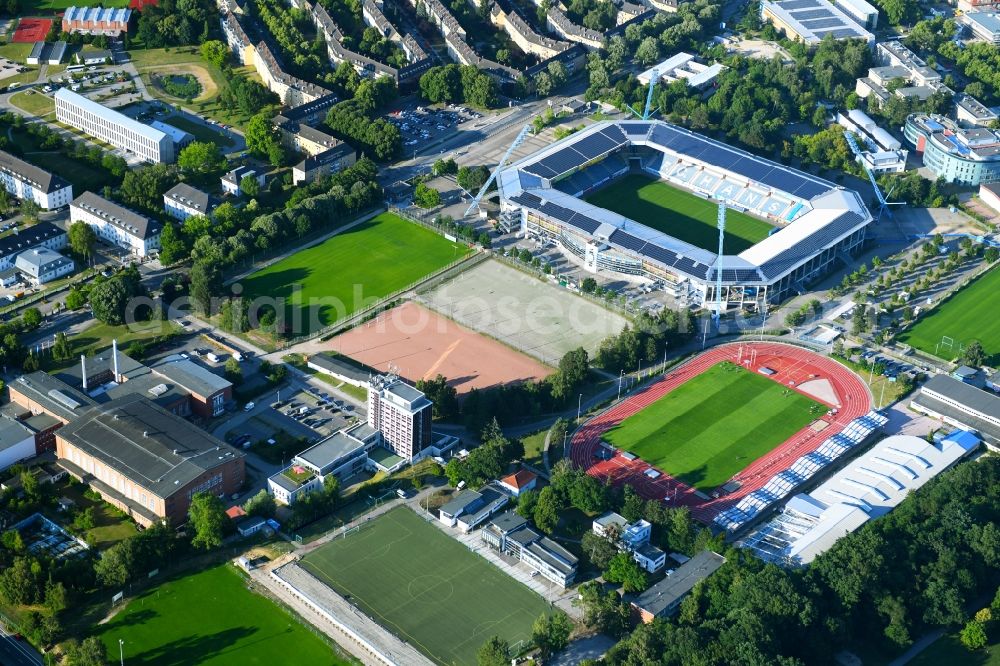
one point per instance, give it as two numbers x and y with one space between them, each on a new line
579 152
811 245
782 484
735 161
636 129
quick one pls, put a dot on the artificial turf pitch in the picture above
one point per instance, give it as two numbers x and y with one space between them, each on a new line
210 618
680 214
970 314
712 426
351 270
426 587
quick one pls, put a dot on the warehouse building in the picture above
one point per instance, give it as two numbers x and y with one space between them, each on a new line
663 599
960 405
809 21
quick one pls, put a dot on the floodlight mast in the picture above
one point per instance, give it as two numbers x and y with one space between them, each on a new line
721 223
883 203
653 76
489 181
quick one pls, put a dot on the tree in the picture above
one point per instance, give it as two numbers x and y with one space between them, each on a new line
75 299
991 255
201 159
648 51
233 371
172 245
249 186
494 652
973 635
547 510
144 187
262 504
108 301
471 179
31 319
208 517
551 633
91 652
426 197
574 367
588 285
598 549
603 610
81 239
214 52
974 355
30 210
543 85
206 283
261 137
526 502
625 570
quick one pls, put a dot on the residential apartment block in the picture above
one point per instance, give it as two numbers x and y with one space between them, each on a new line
116 224
41 235
26 181
40 265
183 201
323 164
115 128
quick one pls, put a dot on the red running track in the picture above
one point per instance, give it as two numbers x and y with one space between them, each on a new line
792 365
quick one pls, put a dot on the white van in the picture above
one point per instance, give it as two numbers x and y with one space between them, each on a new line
213 357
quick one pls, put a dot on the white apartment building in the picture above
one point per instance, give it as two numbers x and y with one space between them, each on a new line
26 181
183 201
41 265
41 235
119 130
402 413
116 224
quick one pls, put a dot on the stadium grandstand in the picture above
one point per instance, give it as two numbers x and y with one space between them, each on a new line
815 222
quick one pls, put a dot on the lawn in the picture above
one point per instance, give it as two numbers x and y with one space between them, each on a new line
99 336
48 6
211 618
82 175
970 314
33 102
16 51
427 587
110 525
949 650
188 60
351 270
714 425
680 214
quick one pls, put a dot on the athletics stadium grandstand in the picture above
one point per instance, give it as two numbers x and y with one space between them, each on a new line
798 225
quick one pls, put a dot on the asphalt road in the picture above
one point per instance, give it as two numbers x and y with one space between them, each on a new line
14 652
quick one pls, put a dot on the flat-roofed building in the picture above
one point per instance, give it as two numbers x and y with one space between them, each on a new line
402 413
989 193
208 392
970 110
26 181
46 404
965 156
17 442
881 151
811 20
471 508
663 598
145 460
113 127
340 455
116 224
513 536
683 67
41 265
330 161
984 26
961 405
180 138
864 13
183 201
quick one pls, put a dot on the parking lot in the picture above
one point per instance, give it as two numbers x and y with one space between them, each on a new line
308 415
421 125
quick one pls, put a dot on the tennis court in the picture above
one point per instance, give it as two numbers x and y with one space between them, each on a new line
32 30
426 587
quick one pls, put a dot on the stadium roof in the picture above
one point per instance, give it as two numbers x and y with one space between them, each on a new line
817 213
147 444
869 487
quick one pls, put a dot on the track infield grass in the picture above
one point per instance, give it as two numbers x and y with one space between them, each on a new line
427 587
352 269
680 214
211 618
712 426
969 314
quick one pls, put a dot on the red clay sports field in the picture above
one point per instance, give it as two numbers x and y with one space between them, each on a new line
825 380
32 30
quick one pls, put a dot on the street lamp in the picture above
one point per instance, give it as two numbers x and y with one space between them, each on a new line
579 407
620 378
121 651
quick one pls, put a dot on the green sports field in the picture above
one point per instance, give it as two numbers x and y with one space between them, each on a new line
352 270
971 314
680 214
714 425
211 618
426 587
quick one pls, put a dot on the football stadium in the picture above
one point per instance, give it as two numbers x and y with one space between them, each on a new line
731 431
660 186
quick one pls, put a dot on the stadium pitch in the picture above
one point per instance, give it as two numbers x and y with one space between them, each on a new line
426 587
680 214
970 314
352 269
714 425
211 618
